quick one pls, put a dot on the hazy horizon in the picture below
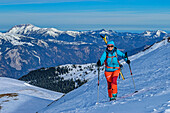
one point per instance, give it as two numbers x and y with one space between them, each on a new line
87 27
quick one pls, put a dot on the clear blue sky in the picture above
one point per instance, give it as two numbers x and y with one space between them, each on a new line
87 14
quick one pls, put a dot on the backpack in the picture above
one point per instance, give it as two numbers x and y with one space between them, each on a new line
120 65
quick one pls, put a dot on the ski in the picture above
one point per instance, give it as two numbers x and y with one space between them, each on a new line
119 98
125 96
104 38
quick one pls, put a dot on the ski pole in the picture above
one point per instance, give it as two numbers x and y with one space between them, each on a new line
122 75
131 74
98 86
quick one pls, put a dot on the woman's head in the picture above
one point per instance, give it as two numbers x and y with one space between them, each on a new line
110 45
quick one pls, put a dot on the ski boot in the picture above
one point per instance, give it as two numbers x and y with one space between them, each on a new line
112 98
115 95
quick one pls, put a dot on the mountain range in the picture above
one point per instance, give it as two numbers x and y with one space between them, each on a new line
150 69
26 47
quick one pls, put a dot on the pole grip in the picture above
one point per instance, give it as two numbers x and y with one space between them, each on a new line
128 64
126 55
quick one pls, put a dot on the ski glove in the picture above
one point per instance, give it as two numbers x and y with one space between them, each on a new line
121 66
98 63
128 61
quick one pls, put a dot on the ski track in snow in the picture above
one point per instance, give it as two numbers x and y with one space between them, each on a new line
151 74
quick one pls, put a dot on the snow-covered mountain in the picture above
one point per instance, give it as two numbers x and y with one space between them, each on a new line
20 54
20 97
154 34
27 47
29 29
142 39
151 70
85 36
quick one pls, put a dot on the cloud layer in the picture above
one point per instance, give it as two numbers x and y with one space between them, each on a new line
15 2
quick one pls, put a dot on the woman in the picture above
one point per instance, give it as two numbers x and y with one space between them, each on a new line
112 67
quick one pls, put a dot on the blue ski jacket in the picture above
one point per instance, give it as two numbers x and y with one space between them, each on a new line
110 58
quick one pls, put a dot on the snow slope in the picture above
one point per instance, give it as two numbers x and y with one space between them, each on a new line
151 71
15 39
19 97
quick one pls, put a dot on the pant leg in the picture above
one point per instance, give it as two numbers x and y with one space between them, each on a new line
108 76
115 75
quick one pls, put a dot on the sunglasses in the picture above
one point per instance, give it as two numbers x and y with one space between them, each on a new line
110 46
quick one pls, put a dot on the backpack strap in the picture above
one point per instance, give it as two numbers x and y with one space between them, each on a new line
117 57
120 65
106 58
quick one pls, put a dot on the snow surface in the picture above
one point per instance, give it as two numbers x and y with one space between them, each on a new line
155 34
68 43
73 33
81 72
151 71
27 28
24 98
147 33
23 28
14 39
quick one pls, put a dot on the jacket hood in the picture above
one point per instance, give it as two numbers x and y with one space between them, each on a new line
111 43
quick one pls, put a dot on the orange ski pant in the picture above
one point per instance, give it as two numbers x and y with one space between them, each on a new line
111 78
